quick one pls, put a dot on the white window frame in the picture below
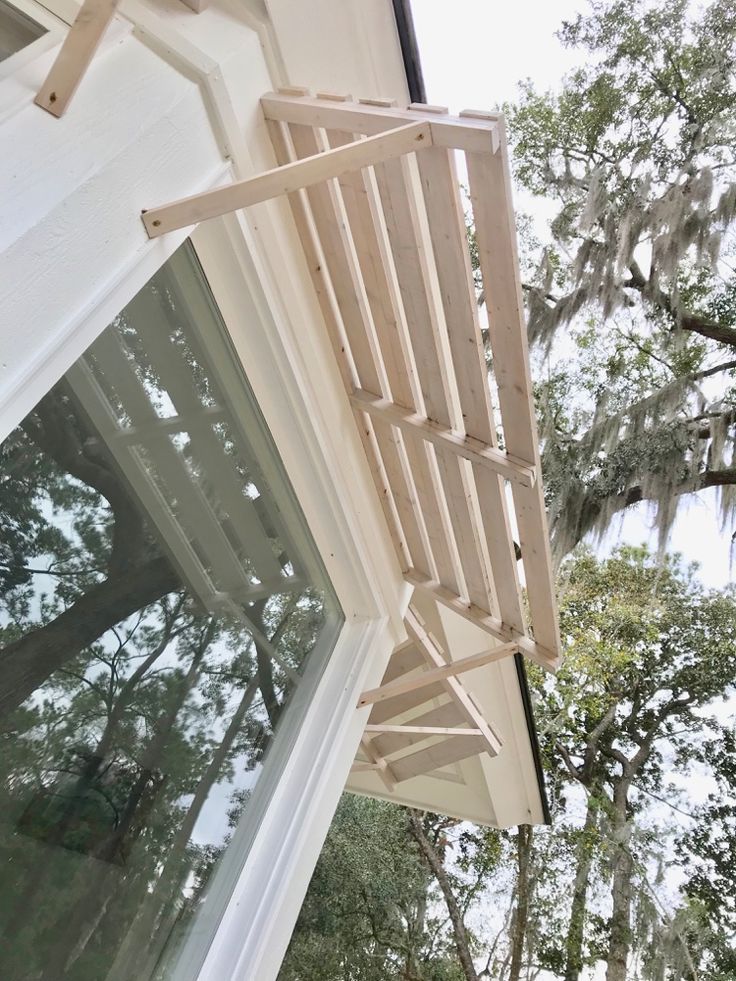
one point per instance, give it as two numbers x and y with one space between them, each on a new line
254 932
55 31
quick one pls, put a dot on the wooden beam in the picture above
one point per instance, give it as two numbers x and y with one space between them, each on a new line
476 135
197 5
360 767
495 230
439 673
467 447
546 658
75 55
448 715
424 730
287 179
427 644
383 769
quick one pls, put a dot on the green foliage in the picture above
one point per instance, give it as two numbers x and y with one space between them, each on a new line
636 152
369 914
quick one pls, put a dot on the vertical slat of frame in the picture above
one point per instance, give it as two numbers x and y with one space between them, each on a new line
338 264
441 188
398 188
362 204
490 193
335 329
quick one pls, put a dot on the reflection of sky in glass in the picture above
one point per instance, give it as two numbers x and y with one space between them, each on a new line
133 758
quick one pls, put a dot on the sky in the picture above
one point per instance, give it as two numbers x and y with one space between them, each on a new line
474 53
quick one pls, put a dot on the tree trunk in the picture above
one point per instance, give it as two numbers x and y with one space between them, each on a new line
28 662
576 926
623 868
524 838
435 863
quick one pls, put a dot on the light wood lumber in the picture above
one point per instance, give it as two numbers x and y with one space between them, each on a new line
426 643
197 5
286 179
446 440
75 56
384 769
368 226
423 730
400 194
342 268
324 291
546 658
446 219
448 715
439 673
490 192
478 135
394 707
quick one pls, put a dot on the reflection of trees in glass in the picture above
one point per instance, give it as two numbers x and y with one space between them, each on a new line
132 719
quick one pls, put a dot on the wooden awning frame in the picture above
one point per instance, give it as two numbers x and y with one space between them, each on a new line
421 670
377 202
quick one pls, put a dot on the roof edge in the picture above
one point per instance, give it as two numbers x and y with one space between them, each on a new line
409 50
526 700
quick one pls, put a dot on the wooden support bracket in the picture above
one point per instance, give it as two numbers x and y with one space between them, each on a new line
439 673
492 625
75 55
467 447
429 648
288 178
423 730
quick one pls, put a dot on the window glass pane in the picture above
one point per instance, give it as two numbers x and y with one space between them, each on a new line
16 30
164 618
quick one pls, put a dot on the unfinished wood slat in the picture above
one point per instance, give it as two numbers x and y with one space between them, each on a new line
490 192
448 714
446 440
479 135
492 742
435 756
364 767
393 707
343 269
286 179
384 769
425 731
324 291
543 656
439 673
373 251
446 219
75 55
406 226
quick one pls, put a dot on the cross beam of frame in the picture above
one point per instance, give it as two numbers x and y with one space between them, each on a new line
75 55
478 452
441 672
417 632
287 179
